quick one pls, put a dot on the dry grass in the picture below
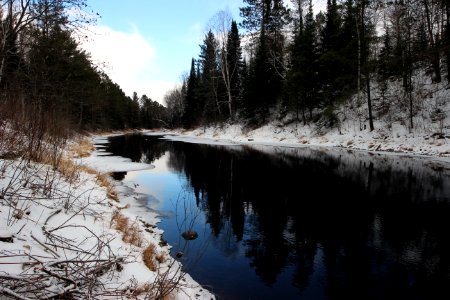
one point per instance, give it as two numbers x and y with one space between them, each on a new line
68 169
160 258
145 288
82 148
119 221
133 235
103 180
130 231
149 256
151 291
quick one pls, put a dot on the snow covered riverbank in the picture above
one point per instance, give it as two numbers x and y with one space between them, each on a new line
65 237
397 140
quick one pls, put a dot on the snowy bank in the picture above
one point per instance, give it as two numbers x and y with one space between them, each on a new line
423 129
397 141
63 237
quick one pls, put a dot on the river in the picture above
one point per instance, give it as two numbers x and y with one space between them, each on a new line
299 223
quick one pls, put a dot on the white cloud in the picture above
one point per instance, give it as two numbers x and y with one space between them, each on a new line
154 89
129 60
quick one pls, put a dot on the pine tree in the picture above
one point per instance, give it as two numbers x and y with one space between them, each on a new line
330 61
208 98
348 50
267 70
233 68
384 67
365 37
302 80
190 103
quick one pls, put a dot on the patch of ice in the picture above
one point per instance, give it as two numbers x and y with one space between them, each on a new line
195 140
106 164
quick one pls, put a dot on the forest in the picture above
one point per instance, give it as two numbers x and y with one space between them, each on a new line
284 60
47 81
291 63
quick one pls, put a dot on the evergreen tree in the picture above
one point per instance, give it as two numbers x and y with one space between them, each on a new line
384 67
233 68
190 103
208 98
267 69
348 50
366 34
302 79
330 61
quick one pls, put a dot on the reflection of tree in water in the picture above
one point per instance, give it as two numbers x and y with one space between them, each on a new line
284 209
138 148
118 175
368 227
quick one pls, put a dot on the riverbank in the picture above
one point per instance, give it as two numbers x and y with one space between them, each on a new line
78 233
261 214
394 140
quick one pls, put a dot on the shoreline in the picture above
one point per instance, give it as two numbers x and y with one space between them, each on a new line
82 234
419 147
135 207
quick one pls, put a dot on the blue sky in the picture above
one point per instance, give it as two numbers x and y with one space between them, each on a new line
146 45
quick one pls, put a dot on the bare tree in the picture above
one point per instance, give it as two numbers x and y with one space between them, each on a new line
432 16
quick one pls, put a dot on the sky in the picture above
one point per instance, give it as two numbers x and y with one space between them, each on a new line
145 46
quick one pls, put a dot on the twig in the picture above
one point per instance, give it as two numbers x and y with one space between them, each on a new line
59 276
52 215
43 245
13 294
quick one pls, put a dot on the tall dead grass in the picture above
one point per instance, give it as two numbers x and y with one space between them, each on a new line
130 230
82 147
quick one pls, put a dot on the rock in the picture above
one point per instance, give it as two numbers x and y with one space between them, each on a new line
189 235
162 243
6 236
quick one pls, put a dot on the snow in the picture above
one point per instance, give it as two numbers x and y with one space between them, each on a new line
62 230
428 137
63 237
302 136
197 140
105 163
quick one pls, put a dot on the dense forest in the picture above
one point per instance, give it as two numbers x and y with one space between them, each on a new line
284 60
294 64
46 79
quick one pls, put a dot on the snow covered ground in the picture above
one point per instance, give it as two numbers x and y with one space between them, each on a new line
66 238
400 142
59 236
429 136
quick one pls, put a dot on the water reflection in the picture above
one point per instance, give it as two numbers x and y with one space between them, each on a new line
314 224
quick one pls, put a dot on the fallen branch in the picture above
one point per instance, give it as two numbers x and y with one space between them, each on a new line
12 294
43 245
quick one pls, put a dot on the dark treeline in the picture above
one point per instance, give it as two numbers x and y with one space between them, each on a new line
278 62
46 79
291 61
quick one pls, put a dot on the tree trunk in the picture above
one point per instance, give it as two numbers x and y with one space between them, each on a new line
410 84
369 101
364 54
435 51
447 37
358 98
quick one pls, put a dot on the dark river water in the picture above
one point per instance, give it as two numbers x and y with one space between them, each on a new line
299 223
